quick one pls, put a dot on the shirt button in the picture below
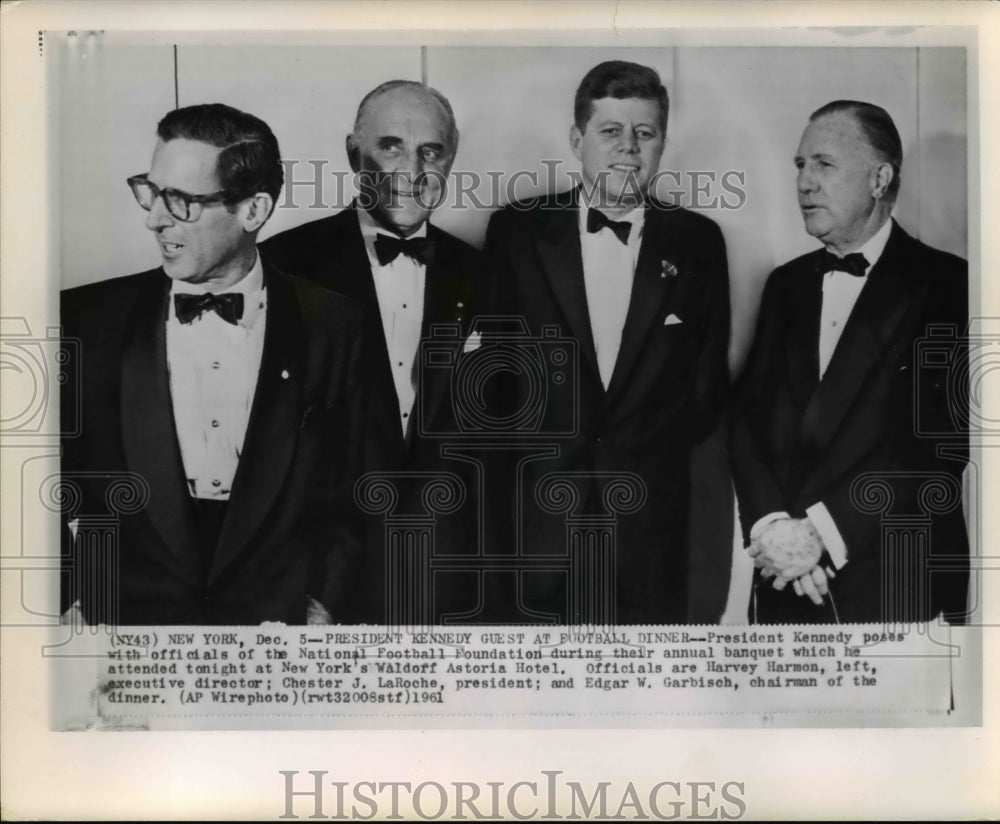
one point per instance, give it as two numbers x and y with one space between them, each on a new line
404 305
216 483
215 424
406 414
215 364
399 364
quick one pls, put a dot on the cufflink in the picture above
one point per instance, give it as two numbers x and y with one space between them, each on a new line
284 374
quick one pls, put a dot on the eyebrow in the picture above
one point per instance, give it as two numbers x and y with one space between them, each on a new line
814 155
389 141
649 125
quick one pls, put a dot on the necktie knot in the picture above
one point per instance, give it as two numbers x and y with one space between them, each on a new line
597 220
389 247
228 306
854 263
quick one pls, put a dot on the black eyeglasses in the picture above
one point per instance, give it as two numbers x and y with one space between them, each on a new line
180 204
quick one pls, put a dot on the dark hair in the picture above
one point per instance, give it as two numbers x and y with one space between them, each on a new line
878 129
249 162
390 85
619 79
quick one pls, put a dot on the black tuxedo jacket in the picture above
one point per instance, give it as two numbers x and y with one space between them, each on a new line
884 407
289 531
667 393
331 252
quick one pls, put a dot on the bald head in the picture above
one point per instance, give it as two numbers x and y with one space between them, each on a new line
402 148
412 94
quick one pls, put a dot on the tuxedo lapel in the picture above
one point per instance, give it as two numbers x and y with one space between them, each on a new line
650 287
348 269
149 435
353 277
884 302
448 299
558 244
275 418
802 316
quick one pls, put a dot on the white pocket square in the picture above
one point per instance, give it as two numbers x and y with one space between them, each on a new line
671 320
472 343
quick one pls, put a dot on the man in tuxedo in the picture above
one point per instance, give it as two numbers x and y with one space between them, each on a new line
842 421
636 291
221 404
414 280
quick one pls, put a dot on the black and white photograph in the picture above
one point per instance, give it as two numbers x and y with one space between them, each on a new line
623 377
553 363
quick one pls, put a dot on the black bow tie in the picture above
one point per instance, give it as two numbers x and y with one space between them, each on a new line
854 263
389 247
228 306
597 220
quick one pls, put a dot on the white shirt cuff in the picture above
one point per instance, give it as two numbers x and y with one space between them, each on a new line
827 529
763 523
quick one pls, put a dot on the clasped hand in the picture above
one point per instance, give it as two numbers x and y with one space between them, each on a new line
789 551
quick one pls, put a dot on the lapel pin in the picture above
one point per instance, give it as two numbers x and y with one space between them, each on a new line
667 269
284 374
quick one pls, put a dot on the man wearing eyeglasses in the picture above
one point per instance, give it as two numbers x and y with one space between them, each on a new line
225 393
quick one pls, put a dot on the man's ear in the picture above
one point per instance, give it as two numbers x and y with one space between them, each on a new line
256 210
882 176
576 141
353 153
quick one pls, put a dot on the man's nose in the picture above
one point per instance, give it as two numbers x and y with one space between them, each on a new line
410 166
629 142
805 180
158 216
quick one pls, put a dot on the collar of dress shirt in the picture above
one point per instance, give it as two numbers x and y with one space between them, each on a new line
370 227
251 286
873 247
637 217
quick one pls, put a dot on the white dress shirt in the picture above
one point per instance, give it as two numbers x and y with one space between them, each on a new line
400 290
608 271
840 292
213 367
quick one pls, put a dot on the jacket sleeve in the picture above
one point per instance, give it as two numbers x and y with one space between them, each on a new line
757 489
338 580
712 371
